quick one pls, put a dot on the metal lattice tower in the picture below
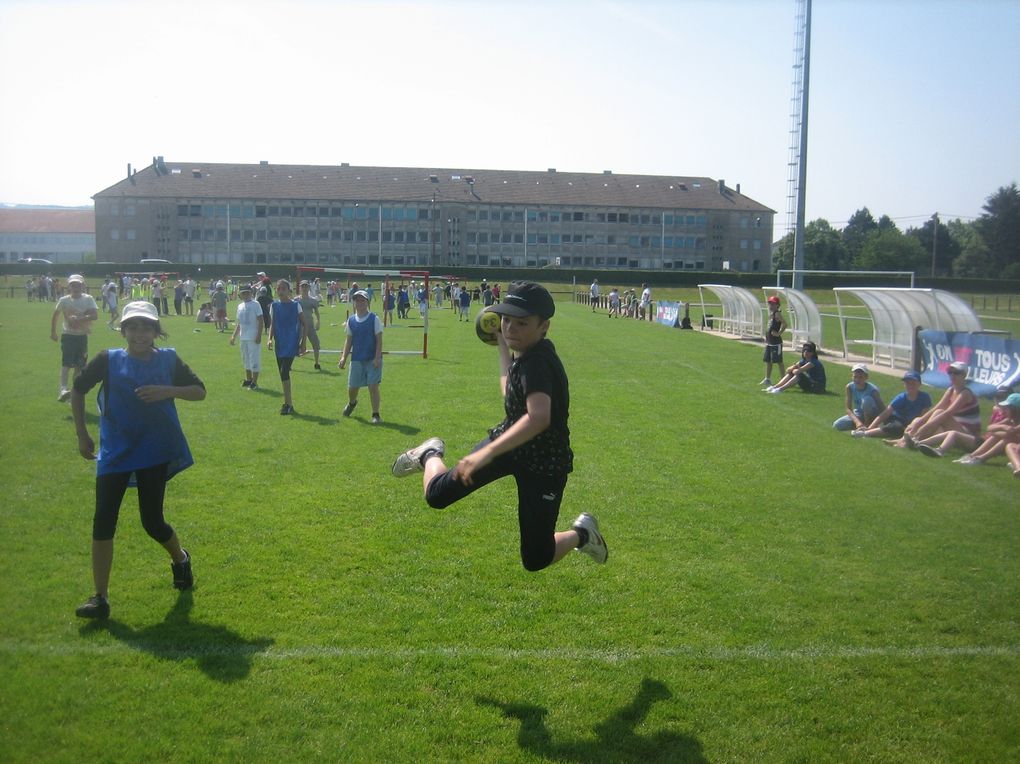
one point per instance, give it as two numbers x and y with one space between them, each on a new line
799 135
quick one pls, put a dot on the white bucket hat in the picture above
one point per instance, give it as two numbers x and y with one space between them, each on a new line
140 309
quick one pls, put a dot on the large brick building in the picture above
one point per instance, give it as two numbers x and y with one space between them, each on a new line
194 212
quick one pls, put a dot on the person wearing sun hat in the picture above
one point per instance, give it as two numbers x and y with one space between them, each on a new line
532 443
863 401
141 442
78 310
958 409
1003 429
904 408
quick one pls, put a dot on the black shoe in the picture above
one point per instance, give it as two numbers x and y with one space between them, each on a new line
246 383
182 573
94 607
286 410
349 408
253 386
318 368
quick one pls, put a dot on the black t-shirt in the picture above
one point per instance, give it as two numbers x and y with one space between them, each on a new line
540 371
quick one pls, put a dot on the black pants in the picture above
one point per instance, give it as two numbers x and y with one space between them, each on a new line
110 491
538 503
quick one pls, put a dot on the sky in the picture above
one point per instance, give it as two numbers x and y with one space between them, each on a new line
914 105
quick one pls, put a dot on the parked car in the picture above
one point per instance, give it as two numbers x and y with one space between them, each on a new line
35 260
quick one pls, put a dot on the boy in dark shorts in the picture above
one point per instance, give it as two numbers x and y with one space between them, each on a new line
532 443
773 340
808 373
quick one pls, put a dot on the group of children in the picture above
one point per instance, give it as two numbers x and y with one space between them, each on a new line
910 420
142 443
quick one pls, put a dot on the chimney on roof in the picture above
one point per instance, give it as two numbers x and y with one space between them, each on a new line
345 164
607 172
160 166
552 169
738 188
129 169
722 186
264 162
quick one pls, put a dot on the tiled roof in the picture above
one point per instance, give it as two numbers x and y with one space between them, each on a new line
199 180
18 220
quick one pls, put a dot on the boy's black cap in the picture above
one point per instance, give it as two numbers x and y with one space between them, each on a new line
526 298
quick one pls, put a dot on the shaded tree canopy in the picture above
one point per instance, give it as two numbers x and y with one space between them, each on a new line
988 247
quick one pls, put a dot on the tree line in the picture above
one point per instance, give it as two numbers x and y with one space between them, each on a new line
988 247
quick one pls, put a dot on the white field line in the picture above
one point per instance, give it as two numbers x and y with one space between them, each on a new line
461 652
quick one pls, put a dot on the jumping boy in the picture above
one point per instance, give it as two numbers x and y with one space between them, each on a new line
364 346
532 443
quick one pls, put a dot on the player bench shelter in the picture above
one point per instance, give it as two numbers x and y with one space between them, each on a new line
805 320
895 315
741 310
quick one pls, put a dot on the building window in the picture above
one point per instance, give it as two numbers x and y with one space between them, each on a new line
115 234
129 233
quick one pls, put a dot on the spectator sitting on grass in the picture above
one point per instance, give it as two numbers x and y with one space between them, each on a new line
958 409
1003 430
808 372
863 402
904 409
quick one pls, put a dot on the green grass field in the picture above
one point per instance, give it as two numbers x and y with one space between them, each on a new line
776 591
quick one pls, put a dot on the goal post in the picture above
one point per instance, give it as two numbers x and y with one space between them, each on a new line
794 272
386 278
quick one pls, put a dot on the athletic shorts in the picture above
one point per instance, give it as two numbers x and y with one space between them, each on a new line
363 374
773 353
74 350
538 503
251 355
284 364
808 385
221 314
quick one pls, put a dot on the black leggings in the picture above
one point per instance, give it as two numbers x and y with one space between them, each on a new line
110 493
538 504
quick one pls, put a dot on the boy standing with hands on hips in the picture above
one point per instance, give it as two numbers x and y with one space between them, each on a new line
532 443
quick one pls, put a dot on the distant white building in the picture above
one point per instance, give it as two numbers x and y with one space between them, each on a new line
58 235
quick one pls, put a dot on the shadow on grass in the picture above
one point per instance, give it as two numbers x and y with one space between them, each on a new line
615 738
323 420
404 429
220 653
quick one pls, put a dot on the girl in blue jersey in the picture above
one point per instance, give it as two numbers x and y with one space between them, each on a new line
140 441
285 330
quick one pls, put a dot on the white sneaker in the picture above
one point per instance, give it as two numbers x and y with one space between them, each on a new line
859 434
596 546
64 395
965 459
774 390
409 462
